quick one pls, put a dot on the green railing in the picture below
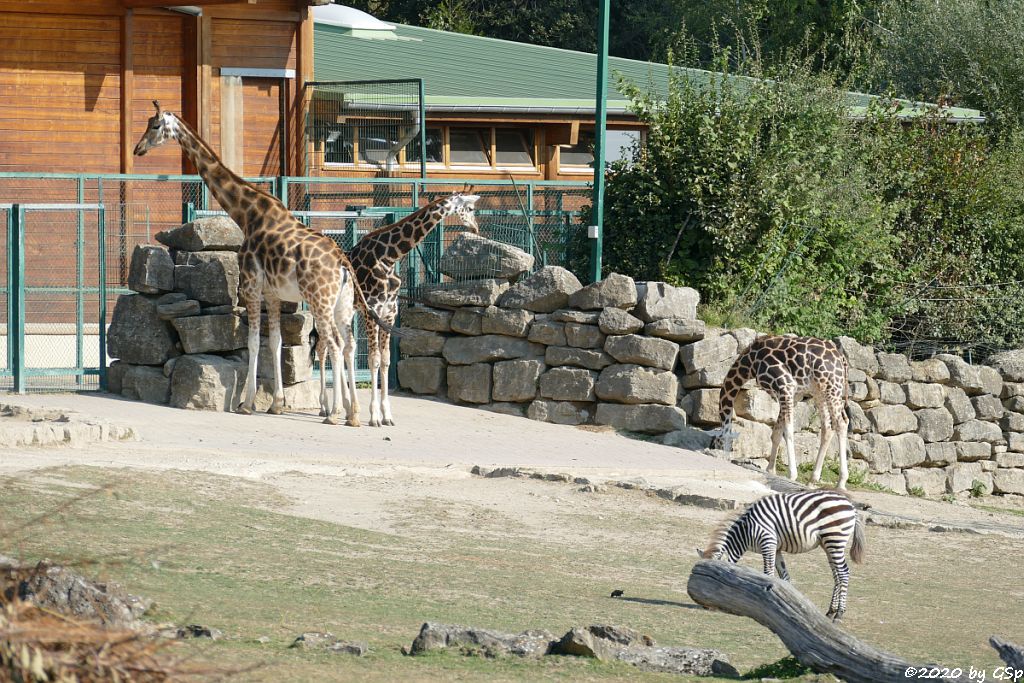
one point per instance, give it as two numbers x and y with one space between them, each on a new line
69 240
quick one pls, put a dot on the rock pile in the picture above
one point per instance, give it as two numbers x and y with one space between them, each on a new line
636 357
181 338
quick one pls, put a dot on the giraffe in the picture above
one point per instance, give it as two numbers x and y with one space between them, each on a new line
280 260
789 368
373 259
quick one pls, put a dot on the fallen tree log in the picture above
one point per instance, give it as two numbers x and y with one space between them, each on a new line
1012 655
812 638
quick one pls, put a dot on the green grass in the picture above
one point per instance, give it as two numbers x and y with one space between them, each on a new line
830 475
991 508
223 552
788 667
916 491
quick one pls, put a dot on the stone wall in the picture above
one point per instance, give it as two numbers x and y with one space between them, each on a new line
635 356
181 338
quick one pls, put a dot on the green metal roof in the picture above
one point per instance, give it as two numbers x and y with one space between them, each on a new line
472 71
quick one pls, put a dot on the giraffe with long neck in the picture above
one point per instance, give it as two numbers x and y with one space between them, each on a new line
788 368
280 260
374 258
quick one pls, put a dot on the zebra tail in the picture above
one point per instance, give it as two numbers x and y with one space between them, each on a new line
857 548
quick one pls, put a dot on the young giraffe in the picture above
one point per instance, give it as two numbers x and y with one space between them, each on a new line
280 260
789 368
373 259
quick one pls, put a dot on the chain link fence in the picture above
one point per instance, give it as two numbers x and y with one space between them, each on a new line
76 247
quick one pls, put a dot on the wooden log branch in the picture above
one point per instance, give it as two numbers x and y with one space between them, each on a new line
812 638
1012 655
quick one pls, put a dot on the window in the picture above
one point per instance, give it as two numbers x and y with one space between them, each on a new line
469 146
374 145
513 147
435 148
618 145
339 148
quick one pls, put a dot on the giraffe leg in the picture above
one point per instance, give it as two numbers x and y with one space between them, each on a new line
330 337
250 287
825 440
791 447
274 338
373 343
321 352
385 372
343 316
773 456
842 427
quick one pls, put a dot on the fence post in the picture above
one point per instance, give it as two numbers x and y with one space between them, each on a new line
80 285
16 245
101 220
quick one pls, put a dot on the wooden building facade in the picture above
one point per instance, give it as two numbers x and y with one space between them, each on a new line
77 81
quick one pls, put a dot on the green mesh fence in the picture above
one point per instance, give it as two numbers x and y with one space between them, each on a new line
367 126
66 249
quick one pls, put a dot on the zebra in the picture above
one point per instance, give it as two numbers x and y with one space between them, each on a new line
796 523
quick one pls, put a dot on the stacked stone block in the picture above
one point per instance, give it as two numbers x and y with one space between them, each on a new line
636 357
181 338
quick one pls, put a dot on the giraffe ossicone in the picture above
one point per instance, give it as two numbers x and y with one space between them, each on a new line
789 368
280 260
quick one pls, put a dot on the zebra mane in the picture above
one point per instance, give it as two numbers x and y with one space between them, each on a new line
721 532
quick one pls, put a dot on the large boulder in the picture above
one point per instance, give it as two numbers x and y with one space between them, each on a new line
958 404
635 348
67 592
636 384
469 383
151 270
146 383
679 330
1010 364
545 291
643 417
934 424
701 405
660 300
435 636
422 375
894 367
473 256
421 343
516 380
207 382
895 419
978 430
514 323
468 293
568 384
962 374
858 355
561 412
211 333
920 395
137 334
209 277
295 363
487 348
908 450
548 332
425 318
708 352
583 336
615 291
216 233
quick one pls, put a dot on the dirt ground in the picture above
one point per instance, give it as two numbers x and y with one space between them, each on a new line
268 526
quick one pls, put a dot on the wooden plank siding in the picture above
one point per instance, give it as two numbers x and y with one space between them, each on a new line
60 108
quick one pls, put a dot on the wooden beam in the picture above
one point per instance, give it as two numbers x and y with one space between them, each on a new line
183 3
204 61
812 638
127 89
190 81
300 97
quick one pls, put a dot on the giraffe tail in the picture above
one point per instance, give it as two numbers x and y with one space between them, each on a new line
314 340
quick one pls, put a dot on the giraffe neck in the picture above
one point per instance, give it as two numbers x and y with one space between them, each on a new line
232 192
409 231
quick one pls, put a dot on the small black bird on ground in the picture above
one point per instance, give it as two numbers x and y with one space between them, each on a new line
616 593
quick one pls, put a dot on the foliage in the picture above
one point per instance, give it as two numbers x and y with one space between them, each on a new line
760 190
978 488
857 476
916 491
787 667
966 51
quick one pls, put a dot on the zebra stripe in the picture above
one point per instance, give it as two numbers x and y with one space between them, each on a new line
796 523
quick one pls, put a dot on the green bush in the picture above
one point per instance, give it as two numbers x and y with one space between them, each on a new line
787 214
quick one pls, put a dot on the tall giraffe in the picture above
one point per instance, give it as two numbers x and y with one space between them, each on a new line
280 260
374 258
789 368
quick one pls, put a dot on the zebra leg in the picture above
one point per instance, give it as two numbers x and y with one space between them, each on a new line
780 565
768 551
841 574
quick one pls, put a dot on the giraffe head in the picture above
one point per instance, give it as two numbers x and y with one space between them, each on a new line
161 127
463 205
